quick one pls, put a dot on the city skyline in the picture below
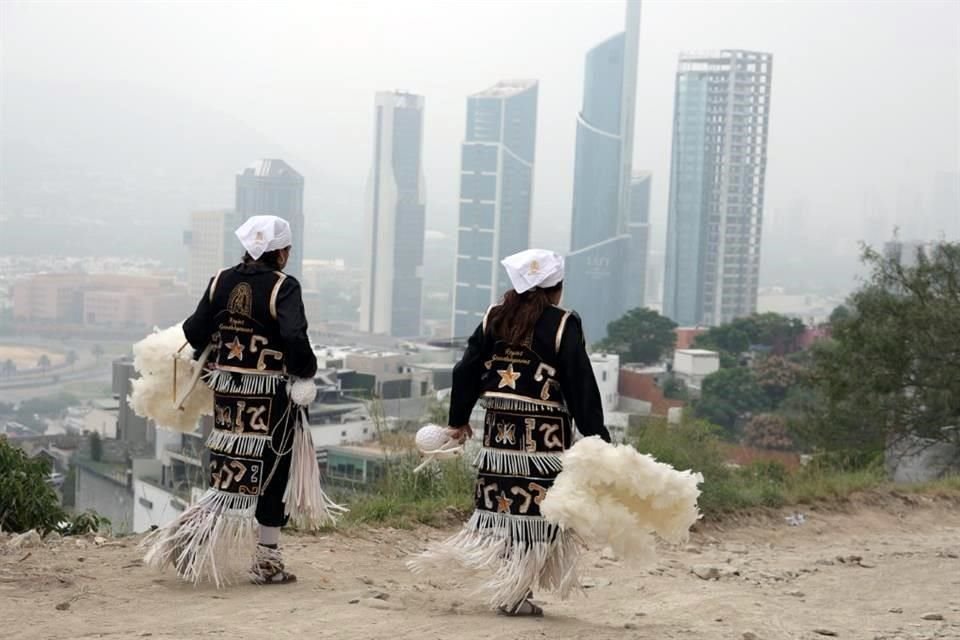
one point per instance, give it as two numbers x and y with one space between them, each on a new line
496 194
919 196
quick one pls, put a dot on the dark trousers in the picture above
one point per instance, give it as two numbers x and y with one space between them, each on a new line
270 503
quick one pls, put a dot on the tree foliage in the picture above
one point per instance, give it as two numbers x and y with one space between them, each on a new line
776 375
729 396
27 500
893 364
768 431
642 335
771 330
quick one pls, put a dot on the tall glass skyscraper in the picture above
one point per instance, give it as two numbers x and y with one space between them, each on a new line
392 293
496 195
272 187
717 175
600 243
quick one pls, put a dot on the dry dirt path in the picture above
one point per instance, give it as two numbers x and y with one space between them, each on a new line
874 573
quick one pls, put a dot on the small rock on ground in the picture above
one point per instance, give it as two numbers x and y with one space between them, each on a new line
383 605
594 583
709 572
826 632
25 540
933 616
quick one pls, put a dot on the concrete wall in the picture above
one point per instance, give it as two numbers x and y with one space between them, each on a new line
636 385
328 435
695 362
153 506
909 459
606 369
108 496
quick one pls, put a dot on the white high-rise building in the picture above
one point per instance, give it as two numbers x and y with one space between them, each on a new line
395 218
496 195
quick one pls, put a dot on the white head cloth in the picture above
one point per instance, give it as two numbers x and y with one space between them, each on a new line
261 234
534 268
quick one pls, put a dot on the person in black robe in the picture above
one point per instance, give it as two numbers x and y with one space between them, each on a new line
527 363
252 316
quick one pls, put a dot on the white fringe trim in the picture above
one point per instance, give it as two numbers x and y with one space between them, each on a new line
208 540
525 553
518 463
305 502
249 384
518 405
237 443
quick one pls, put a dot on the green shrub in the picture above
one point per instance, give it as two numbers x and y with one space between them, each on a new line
28 501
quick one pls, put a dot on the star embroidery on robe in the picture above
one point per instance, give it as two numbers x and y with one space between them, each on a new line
503 503
508 377
236 349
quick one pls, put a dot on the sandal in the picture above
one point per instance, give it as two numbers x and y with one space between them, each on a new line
525 609
268 568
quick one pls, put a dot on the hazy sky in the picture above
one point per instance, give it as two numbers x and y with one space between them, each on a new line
865 94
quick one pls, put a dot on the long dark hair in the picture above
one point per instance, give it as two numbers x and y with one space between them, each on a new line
515 317
270 259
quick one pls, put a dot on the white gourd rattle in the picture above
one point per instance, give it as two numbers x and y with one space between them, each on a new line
433 442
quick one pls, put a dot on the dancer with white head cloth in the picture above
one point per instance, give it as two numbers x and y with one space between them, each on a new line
263 468
527 363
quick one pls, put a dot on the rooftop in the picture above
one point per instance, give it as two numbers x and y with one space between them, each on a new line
506 89
270 168
697 352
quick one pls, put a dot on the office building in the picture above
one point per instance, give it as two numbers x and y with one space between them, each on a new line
496 195
638 228
600 238
394 224
272 187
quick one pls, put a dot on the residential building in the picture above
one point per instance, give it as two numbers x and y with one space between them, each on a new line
693 365
496 195
600 238
717 177
641 392
394 224
272 187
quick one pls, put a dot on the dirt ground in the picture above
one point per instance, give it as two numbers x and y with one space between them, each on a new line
887 570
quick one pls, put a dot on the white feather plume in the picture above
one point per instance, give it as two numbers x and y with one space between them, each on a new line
615 496
152 394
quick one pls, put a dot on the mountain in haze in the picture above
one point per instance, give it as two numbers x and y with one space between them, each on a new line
92 169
